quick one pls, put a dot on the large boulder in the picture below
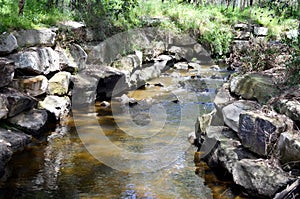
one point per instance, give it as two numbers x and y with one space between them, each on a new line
33 86
231 112
259 131
42 37
17 101
221 149
260 177
254 86
78 55
128 63
288 147
72 30
8 43
58 106
32 121
6 71
66 61
59 83
37 60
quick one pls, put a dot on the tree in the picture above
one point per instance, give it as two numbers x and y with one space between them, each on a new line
21 7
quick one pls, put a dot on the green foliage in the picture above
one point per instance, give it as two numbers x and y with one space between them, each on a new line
293 66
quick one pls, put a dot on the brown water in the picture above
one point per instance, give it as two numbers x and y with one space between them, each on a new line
66 164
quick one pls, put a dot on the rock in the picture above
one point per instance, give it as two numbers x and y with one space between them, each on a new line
254 86
59 83
7 71
181 66
10 142
259 177
33 86
260 31
222 99
231 113
16 140
291 108
3 106
59 106
259 131
241 44
8 43
73 30
290 192
288 147
66 61
29 38
292 34
17 101
241 26
128 63
202 123
221 149
214 67
37 60
79 56
33 121
242 35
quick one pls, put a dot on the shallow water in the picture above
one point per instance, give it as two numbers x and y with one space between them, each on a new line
126 152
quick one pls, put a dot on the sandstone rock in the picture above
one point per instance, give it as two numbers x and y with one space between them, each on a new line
32 121
59 106
259 177
6 71
33 86
8 43
59 83
28 38
288 147
79 56
231 113
3 106
260 31
17 101
254 86
37 60
259 131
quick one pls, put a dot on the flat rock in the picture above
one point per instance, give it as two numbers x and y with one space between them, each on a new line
17 101
59 106
37 60
7 71
28 38
259 131
8 43
259 177
231 113
32 121
59 83
33 86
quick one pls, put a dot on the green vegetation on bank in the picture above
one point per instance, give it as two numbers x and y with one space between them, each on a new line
211 24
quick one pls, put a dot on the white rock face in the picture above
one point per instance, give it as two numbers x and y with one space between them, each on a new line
260 31
59 106
59 83
29 38
8 43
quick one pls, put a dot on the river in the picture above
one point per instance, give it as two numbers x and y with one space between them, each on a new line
65 163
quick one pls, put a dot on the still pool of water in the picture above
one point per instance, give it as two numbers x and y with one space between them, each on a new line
143 149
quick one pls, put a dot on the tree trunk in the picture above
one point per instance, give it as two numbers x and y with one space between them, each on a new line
21 7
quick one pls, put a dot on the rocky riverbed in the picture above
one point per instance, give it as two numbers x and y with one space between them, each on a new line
252 134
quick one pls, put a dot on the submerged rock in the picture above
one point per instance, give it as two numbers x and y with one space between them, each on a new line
32 121
254 86
59 106
33 86
259 177
6 71
259 131
8 43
